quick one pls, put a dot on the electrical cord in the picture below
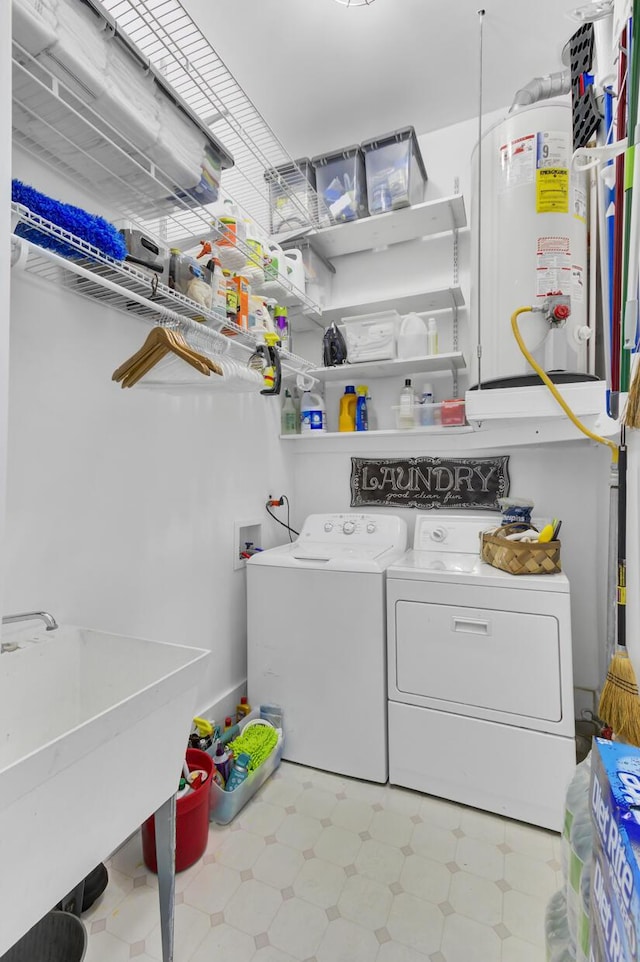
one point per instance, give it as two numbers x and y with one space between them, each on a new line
286 525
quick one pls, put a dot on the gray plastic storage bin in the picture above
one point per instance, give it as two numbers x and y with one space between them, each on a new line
297 180
396 174
341 186
318 271
224 806
58 937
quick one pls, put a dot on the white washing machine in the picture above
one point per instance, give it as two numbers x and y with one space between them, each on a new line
316 639
480 676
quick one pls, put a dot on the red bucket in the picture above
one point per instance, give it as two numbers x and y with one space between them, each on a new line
192 820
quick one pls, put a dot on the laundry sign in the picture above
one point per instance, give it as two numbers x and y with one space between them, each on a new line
429 482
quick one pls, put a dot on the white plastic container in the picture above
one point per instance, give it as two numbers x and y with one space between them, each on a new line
224 806
413 340
371 338
313 417
295 268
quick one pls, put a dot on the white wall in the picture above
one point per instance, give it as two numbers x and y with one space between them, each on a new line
121 503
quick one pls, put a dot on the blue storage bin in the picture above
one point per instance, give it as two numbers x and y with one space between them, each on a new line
341 186
396 174
224 806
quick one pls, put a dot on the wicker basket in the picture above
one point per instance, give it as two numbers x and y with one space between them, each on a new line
520 557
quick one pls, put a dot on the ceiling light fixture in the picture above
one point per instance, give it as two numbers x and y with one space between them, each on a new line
355 3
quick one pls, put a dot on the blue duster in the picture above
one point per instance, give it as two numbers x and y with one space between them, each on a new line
91 228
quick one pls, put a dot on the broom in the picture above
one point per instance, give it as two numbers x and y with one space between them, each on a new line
619 701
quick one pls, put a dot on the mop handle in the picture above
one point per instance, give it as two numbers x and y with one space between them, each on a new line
622 545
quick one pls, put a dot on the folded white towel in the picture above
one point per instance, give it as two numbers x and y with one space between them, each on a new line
128 103
79 54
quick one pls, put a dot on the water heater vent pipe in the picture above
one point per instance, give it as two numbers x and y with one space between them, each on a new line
542 88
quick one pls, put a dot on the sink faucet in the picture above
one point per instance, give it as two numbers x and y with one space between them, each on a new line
44 616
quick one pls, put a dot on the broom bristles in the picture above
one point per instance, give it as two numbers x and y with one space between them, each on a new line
619 702
632 412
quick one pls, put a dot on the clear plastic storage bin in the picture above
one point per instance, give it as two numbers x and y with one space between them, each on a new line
224 806
285 183
318 272
396 174
341 185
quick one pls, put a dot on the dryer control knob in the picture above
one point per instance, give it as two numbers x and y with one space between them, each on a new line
328 526
348 527
439 534
371 528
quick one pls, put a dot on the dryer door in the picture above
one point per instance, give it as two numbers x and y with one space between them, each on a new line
504 662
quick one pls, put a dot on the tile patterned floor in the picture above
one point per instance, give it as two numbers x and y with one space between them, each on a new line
320 868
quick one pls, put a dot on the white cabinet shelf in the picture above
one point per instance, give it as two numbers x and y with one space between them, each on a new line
420 302
394 227
398 367
363 436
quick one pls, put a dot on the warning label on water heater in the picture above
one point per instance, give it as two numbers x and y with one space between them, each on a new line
552 172
518 161
554 269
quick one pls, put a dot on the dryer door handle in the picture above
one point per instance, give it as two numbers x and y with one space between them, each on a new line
471 626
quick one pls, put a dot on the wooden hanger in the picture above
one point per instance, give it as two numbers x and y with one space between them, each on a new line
160 342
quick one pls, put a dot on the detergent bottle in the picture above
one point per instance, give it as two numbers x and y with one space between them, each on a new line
362 413
312 413
348 403
239 772
288 420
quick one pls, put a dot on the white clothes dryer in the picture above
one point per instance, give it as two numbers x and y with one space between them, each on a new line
316 639
480 676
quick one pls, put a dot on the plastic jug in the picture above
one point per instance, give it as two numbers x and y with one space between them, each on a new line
232 230
413 339
275 270
295 265
253 269
312 414
348 403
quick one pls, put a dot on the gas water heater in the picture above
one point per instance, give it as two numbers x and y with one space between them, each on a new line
533 244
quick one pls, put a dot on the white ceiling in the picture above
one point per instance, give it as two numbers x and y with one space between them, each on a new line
325 76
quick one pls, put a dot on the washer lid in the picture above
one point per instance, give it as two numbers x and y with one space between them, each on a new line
322 557
468 569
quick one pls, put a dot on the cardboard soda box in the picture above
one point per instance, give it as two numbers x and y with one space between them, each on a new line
615 881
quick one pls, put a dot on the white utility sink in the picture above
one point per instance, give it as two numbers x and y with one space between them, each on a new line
93 730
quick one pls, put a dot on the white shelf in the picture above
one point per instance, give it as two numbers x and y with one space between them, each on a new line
382 230
420 302
69 135
372 435
129 290
398 367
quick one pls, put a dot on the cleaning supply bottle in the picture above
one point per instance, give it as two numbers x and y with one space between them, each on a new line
239 772
281 323
407 400
362 414
347 416
222 761
426 405
219 298
312 413
432 336
228 722
243 709
288 415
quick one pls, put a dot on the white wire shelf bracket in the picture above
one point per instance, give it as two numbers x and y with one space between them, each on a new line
165 33
55 125
130 291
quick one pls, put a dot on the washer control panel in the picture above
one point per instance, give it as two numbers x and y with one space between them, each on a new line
365 529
